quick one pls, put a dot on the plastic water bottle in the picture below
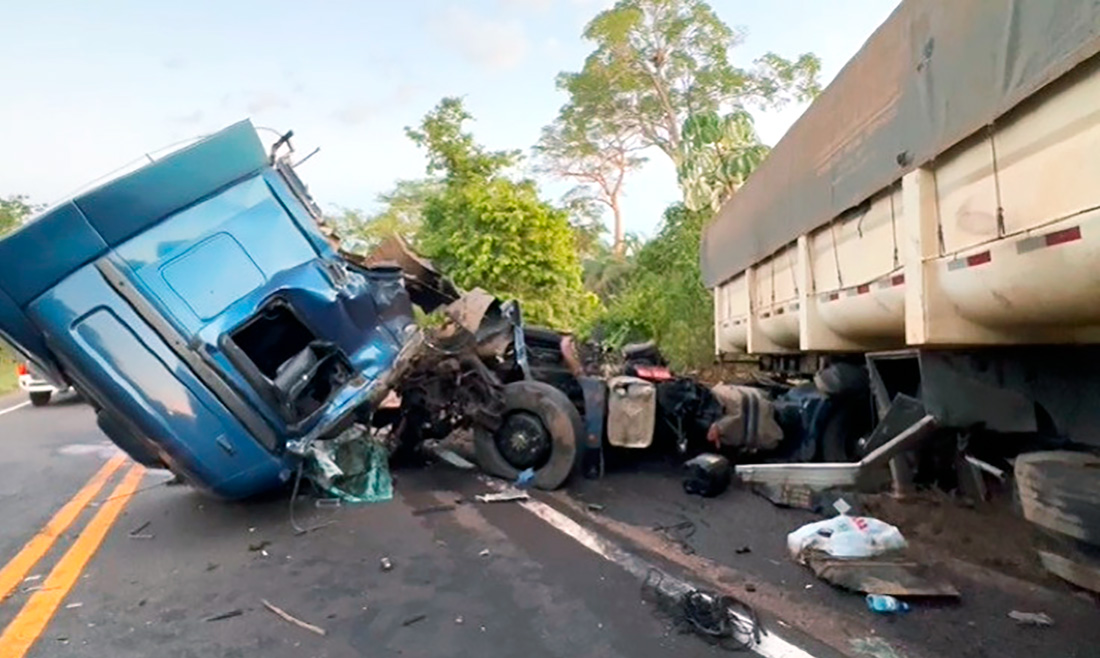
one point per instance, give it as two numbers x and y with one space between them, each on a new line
885 605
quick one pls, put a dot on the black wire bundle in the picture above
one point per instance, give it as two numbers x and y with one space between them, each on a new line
713 616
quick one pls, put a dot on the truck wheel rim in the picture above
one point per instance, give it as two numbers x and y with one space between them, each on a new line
523 441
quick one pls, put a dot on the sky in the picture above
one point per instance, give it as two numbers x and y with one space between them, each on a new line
90 87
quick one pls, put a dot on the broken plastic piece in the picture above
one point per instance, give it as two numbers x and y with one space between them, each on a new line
1031 618
502 497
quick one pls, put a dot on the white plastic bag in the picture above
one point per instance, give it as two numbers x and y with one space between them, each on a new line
845 536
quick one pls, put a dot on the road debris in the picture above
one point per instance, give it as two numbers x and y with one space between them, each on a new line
259 546
525 478
846 537
484 553
720 619
285 616
679 533
74 606
414 619
502 497
137 533
1031 618
885 604
863 554
743 550
594 507
459 620
385 564
455 459
225 615
707 475
31 579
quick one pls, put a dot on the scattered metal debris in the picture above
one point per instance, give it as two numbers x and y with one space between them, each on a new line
74 606
594 507
502 496
1031 618
259 546
484 553
137 533
225 615
285 616
414 619
385 564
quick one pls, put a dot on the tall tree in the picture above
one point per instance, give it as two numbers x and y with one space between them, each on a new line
595 154
658 62
485 229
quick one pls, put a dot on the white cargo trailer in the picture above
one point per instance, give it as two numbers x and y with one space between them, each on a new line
942 198
935 215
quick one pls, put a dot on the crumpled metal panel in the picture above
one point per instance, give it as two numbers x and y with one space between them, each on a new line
934 73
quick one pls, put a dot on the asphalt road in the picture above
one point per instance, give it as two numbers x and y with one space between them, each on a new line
549 577
501 579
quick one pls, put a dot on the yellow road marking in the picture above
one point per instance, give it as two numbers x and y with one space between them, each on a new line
17 569
22 632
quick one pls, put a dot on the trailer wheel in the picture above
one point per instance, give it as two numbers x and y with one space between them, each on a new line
541 430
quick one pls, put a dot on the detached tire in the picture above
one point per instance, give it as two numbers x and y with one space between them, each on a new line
41 399
535 413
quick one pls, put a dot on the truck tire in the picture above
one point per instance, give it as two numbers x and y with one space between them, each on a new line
41 398
541 429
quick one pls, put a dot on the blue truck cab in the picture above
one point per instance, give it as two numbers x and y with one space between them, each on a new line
196 304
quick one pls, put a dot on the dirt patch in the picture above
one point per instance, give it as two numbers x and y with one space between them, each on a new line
990 534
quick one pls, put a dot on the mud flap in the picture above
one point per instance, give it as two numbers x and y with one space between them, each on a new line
559 417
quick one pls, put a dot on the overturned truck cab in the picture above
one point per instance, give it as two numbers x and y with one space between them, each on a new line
198 307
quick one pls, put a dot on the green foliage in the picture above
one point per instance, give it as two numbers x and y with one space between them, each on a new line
719 154
454 153
595 153
486 230
14 210
401 215
657 62
663 297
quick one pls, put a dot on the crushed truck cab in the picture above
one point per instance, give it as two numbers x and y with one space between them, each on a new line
197 306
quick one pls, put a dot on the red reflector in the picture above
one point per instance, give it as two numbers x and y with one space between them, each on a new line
833 296
21 369
897 279
979 259
864 289
653 373
1065 235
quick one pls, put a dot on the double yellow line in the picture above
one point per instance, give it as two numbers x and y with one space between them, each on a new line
26 627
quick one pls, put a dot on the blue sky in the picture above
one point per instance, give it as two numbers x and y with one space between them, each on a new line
89 87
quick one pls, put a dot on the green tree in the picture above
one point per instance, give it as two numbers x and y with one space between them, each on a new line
485 229
596 155
663 296
14 211
658 62
401 214
719 153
